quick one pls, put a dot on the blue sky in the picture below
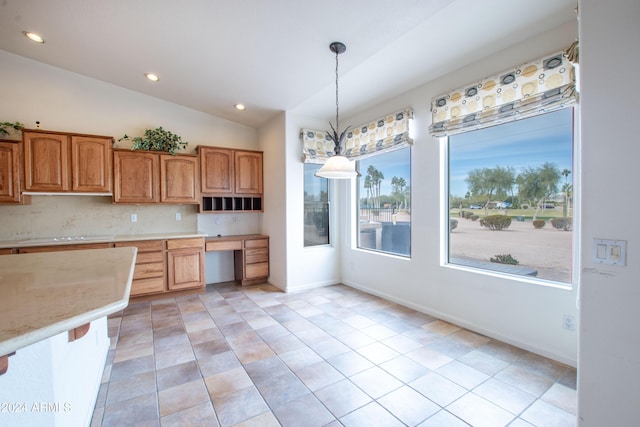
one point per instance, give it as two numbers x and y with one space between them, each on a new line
395 163
520 144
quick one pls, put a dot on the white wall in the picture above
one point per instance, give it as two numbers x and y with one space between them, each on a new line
272 141
525 314
609 350
313 266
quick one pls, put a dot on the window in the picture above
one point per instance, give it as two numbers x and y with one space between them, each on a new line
384 209
511 197
316 207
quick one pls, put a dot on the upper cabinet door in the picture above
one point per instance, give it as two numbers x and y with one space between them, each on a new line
9 172
248 174
216 170
136 176
46 162
91 164
178 179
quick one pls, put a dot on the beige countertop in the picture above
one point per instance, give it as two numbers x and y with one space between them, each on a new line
44 294
74 240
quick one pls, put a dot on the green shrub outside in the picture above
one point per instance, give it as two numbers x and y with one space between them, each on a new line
504 259
539 223
562 223
496 222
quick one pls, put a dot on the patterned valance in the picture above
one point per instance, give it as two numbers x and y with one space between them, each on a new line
385 134
530 89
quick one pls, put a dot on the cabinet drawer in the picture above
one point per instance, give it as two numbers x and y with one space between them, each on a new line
231 245
196 242
257 243
147 286
145 271
253 256
260 269
147 257
143 245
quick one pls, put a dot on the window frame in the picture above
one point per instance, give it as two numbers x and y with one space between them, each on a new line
576 252
356 245
329 209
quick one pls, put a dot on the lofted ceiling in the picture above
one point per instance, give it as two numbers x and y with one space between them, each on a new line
271 55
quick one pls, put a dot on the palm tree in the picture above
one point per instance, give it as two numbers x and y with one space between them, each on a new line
565 190
368 184
398 188
376 181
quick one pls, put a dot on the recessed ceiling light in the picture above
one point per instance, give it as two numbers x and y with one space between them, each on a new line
33 37
152 77
240 107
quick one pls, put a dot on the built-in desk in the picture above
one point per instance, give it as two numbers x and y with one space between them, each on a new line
250 255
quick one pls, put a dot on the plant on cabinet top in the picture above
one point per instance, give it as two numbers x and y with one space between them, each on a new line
157 140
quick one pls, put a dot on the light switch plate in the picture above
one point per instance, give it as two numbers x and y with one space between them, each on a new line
610 252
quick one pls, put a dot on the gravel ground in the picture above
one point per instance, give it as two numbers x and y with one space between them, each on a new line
548 250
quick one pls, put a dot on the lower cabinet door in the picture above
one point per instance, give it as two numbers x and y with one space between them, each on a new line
185 268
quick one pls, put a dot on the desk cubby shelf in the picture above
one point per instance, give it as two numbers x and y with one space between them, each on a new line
231 204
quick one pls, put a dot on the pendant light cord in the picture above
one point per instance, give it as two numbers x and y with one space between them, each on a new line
337 107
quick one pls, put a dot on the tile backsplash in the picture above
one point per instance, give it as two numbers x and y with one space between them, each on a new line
57 216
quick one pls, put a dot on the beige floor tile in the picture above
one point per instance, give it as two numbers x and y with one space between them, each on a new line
133 351
438 389
255 356
563 397
545 414
228 382
479 412
181 397
201 415
431 359
508 397
441 327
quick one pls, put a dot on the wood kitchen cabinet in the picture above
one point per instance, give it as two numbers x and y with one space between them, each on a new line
230 180
91 164
11 180
252 263
152 177
216 170
149 276
60 162
248 172
178 178
185 260
136 177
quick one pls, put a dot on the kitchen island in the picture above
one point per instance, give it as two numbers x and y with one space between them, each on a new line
53 331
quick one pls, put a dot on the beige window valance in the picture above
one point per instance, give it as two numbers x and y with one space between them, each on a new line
536 87
388 133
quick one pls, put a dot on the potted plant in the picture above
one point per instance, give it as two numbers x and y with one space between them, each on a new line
157 139
16 126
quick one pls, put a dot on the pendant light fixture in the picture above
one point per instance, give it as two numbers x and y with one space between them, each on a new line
337 166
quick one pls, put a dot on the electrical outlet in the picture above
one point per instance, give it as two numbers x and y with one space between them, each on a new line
134 217
234 219
178 216
568 322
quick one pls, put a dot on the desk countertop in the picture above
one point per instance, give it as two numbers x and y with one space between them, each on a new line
44 294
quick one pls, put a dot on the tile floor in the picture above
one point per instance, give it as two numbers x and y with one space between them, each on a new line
331 356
